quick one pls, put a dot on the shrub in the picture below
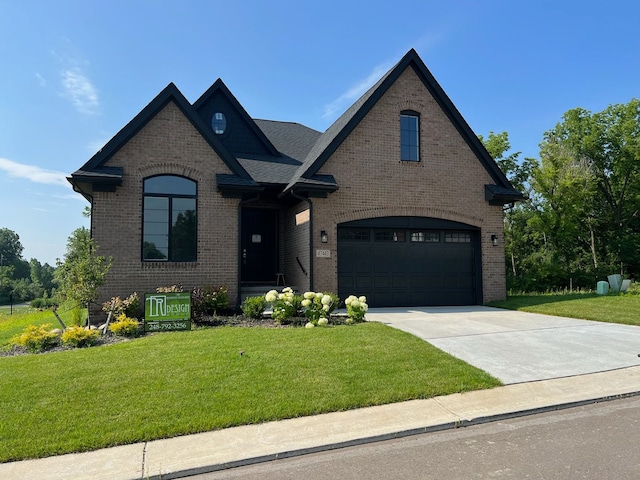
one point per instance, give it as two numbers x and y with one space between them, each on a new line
253 307
125 326
208 300
76 315
319 305
37 338
170 289
129 306
80 337
285 305
43 302
356 308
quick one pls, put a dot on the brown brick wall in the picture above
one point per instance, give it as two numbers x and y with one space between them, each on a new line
296 245
168 144
447 183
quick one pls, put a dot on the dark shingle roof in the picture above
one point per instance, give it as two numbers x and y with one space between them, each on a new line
292 139
267 169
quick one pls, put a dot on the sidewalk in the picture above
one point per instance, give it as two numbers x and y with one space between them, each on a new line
206 452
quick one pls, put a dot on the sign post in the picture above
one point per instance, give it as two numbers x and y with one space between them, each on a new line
167 311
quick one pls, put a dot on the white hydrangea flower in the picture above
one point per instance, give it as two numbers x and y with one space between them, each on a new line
326 308
309 295
287 290
271 296
363 299
306 302
322 322
309 325
319 295
326 300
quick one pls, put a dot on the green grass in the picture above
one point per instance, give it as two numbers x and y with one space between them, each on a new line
178 383
11 325
623 308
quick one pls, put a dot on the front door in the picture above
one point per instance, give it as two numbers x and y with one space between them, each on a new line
259 245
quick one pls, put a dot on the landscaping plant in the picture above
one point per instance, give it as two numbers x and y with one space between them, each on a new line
80 337
356 308
253 307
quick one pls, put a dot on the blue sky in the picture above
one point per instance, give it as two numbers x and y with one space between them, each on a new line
73 73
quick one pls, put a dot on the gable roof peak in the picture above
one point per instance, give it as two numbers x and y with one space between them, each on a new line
333 137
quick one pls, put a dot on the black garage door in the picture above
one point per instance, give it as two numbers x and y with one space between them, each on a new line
412 264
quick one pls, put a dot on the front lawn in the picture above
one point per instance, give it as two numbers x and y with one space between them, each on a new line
11 325
177 383
624 308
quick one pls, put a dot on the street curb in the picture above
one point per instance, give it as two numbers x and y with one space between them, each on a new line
387 436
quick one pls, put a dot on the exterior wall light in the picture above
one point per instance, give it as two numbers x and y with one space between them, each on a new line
494 240
324 236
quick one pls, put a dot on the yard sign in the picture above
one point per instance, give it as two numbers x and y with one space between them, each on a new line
167 311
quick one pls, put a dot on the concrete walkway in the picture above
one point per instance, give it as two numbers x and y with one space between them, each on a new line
518 346
183 456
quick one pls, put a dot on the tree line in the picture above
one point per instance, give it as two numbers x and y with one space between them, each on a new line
581 219
22 280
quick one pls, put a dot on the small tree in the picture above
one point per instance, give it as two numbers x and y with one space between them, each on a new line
82 272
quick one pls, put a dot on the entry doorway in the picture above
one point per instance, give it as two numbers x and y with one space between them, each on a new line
259 246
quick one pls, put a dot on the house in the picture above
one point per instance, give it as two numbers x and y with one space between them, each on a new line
398 200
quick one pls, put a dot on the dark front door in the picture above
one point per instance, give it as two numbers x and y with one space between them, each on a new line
259 245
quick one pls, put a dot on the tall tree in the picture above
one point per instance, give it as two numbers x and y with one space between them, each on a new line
516 216
590 182
10 247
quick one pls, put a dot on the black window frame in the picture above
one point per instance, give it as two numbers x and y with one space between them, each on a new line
406 137
171 196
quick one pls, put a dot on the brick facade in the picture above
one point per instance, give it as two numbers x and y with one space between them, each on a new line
171 136
447 183
168 144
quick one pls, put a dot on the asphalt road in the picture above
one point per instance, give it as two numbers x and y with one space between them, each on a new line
592 442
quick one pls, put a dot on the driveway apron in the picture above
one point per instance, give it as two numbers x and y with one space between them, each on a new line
516 346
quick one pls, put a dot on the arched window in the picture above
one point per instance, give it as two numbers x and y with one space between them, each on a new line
169 226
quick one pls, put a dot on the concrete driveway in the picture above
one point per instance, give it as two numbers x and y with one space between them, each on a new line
517 346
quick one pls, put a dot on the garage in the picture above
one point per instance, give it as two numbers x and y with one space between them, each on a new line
409 261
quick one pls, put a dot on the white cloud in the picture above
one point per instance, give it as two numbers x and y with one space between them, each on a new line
41 80
80 90
34 173
346 99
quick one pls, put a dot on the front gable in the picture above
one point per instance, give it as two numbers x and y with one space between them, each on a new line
98 175
343 128
229 121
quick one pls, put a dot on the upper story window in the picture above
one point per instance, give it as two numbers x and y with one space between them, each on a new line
410 136
219 123
169 219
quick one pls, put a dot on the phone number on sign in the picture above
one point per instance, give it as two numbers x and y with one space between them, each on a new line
158 326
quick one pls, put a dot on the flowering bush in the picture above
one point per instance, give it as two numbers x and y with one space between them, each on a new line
284 305
319 305
129 306
356 308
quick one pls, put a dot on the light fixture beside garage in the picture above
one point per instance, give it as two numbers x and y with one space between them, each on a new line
494 240
324 236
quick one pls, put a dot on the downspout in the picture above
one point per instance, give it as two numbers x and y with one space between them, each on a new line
310 203
241 204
